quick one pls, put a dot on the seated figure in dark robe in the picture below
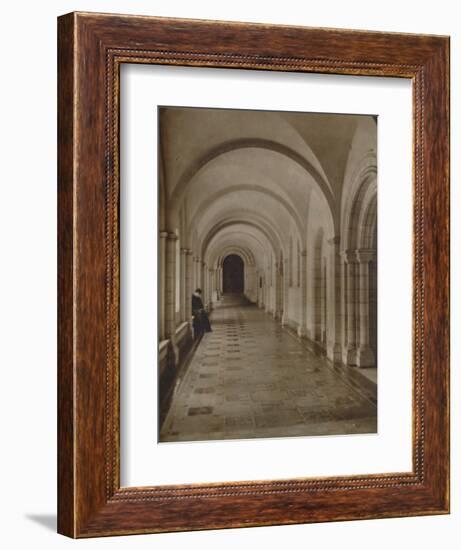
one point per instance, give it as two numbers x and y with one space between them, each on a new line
200 322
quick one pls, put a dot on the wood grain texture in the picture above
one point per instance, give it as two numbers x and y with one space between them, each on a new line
91 49
66 471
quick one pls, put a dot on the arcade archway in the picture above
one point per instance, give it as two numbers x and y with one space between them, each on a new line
233 274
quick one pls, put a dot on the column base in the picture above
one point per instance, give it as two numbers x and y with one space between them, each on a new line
173 352
302 331
334 352
365 357
349 355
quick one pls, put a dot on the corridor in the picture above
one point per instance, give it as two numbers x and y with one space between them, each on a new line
279 208
251 377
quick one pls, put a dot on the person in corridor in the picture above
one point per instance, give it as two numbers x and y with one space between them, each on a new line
201 323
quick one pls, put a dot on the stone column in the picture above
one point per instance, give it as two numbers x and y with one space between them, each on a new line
317 296
212 279
250 289
189 285
267 282
334 322
203 282
196 272
278 290
258 289
350 347
218 283
262 289
323 300
182 284
246 281
302 327
273 275
161 283
206 285
170 294
365 357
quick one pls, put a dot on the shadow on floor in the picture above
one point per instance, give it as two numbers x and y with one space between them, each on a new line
49 521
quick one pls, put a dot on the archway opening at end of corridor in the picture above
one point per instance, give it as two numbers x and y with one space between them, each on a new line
233 274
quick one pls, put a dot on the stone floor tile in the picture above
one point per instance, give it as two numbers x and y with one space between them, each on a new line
251 378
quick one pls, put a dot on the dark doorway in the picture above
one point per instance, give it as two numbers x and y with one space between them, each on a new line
233 276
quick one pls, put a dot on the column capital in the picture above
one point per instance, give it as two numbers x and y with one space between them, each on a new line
163 234
185 251
349 256
334 240
303 253
172 237
365 255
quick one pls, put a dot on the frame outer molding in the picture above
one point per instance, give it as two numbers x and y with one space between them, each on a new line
90 50
66 333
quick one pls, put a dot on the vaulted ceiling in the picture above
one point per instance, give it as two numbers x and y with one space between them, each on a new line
251 178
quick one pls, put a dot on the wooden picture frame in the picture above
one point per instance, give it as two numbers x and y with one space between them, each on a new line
92 47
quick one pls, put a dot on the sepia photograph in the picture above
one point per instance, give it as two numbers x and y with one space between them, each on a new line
267 274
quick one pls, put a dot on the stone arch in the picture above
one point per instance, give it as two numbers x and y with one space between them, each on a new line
368 224
254 246
259 143
355 185
255 218
229 223
233 267
368 255
258 188
360 267
241 251
364 199
216 261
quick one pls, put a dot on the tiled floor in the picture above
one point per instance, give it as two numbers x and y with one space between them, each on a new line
251 378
